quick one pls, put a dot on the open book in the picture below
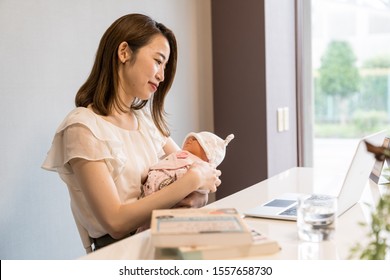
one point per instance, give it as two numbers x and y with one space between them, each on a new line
198 227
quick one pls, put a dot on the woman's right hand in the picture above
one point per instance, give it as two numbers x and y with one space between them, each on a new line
207 175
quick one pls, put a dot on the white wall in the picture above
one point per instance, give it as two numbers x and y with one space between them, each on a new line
46 52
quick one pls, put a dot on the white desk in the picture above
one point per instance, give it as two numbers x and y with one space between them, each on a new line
306 180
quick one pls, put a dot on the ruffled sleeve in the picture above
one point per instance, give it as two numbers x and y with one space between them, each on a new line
81 135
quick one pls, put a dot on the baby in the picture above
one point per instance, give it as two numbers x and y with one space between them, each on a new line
204 146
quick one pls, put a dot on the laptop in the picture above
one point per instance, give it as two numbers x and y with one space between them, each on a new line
283 207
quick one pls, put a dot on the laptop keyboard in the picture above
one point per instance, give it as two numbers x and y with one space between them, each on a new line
292 211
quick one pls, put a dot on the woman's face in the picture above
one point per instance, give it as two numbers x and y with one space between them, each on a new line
192 145
140 78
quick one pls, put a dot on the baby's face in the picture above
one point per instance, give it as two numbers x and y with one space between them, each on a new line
192 145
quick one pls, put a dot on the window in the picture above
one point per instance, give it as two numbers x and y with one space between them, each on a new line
349 77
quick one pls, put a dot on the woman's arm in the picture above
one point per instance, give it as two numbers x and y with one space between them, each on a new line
119 218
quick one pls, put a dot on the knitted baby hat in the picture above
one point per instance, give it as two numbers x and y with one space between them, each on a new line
214 146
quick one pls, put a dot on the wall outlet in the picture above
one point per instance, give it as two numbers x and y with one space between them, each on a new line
279 119
283 119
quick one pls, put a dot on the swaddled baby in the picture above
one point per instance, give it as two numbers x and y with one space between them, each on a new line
204 146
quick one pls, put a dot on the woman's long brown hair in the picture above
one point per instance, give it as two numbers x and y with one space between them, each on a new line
100 89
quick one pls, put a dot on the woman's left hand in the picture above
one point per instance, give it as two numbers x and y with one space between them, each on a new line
195 199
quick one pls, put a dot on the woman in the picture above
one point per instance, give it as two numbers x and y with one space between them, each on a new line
104 147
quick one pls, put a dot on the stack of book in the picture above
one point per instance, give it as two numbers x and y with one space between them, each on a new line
206 233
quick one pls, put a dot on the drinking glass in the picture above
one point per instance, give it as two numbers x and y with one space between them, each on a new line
317 214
